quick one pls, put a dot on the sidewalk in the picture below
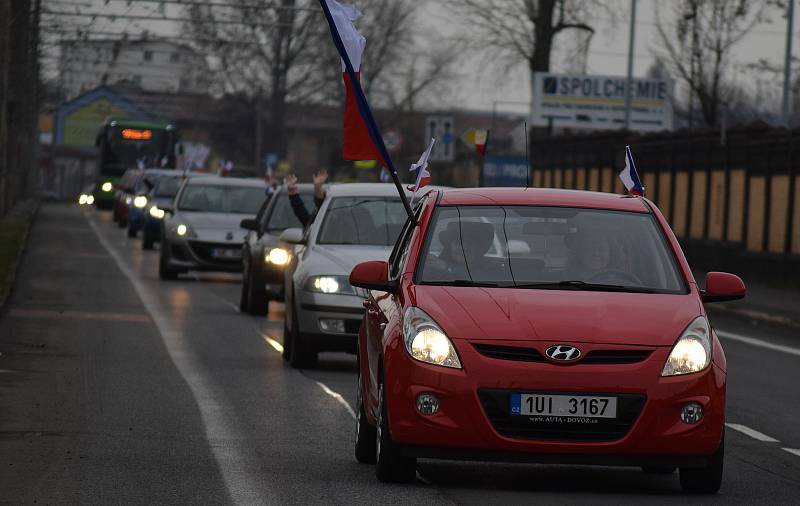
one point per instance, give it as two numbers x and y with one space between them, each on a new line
763 302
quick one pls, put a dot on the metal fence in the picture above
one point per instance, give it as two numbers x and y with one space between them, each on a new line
733 198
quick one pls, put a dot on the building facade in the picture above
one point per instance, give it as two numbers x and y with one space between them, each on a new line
150 64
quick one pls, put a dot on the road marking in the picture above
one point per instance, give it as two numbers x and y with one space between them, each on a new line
52 314
760 436
759 342
338 398
236 464
341 400
793 451
275 344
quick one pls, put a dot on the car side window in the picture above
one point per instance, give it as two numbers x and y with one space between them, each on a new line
401 249
263 213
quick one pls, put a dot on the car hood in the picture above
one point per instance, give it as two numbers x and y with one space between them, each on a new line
323 259
223 227
558 315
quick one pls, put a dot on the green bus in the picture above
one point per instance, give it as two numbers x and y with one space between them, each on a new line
127 144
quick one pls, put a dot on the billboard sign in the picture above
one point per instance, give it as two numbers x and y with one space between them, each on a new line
598 102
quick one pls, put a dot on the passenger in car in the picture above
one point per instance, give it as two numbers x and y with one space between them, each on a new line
298 207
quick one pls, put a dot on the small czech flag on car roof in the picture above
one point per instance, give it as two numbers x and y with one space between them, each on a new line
629 175
422 177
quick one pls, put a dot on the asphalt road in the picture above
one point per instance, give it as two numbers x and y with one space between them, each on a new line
116 388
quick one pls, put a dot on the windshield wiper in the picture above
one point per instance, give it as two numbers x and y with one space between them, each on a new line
469 282
583 285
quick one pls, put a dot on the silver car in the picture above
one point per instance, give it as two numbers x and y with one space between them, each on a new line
357 222
201 231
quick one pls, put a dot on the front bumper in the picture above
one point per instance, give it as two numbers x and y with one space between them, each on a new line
472 425
195 255
313 308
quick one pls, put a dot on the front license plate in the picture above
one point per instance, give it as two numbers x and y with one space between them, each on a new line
563 405
227 254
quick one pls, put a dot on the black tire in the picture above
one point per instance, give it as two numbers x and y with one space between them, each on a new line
257 300
287 349
658 470
301 356
147 240
391 465
365 438
164 270
705 480
243 302
131 231
122 223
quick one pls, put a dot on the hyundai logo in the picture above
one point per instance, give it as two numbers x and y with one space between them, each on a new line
563 352
229 236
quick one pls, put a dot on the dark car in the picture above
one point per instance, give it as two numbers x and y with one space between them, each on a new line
161 195
263 257
123 195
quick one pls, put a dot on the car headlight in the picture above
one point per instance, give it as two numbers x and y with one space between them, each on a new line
82 199
426 341
157 213
128 200
89 200
183 230
140 201
107 186
692 351
277 256
330 284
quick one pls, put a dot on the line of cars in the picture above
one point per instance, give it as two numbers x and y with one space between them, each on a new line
492 324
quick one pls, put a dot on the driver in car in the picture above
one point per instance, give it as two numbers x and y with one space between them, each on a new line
463 253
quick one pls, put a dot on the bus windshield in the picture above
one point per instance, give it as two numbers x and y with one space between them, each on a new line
125 147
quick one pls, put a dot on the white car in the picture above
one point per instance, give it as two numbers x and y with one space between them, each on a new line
201 231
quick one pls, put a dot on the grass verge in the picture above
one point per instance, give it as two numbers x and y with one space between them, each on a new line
14 228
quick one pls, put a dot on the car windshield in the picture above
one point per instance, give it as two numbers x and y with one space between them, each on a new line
222 199
549 247
167 187
362 220
283 217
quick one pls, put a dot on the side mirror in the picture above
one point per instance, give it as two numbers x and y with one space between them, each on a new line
372 275
249 224
292 236
721 286
167 208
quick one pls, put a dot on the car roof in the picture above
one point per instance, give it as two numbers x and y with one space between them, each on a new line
227 181
542 197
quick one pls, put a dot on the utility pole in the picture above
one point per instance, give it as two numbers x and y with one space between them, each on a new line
5 70
629 86
787 63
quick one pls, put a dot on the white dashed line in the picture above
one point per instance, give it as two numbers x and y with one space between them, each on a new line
275 344
758 342
760 436
793 451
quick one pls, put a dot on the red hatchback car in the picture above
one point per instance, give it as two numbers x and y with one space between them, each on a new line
540 325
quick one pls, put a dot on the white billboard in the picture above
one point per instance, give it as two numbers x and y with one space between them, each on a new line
598 102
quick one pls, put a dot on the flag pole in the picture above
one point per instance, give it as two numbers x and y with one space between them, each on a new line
364 109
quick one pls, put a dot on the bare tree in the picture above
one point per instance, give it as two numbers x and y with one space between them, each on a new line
696 42
523 30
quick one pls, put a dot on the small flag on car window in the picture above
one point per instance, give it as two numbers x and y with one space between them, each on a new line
629 175
423 177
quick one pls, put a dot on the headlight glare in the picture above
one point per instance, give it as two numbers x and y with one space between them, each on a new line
128 200
330 284
89 200
426 341
140 201
157 213
692 351
107 186
82 199
277 256
181 230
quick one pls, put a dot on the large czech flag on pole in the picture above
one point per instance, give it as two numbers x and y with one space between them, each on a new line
629 175
350 45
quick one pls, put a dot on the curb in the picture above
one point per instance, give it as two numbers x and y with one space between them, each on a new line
12 275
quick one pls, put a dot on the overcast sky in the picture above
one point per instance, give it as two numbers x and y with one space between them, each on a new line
482 85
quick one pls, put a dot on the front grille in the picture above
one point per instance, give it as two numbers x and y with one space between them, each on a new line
615 356
203 251
509 352
497 406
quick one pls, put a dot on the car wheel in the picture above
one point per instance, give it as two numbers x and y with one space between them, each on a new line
705 480
287 348
131 231
392 466
164 270
243 302
301 356
257 300
366 438
147 240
